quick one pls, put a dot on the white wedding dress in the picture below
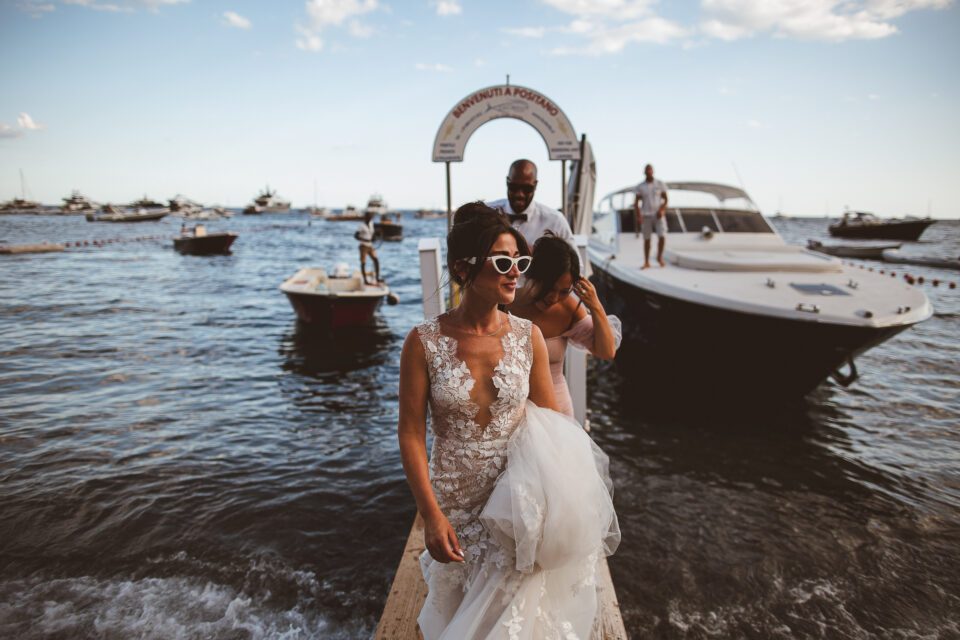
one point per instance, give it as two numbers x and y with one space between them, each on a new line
529 496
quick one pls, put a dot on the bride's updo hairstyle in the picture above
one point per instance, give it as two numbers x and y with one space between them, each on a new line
475 228
552 257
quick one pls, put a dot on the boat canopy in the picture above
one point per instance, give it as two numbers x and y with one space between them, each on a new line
721 192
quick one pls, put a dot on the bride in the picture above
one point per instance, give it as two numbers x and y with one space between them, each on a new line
515 499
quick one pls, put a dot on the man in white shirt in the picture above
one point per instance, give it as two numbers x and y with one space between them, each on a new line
365 235
530 218
650 207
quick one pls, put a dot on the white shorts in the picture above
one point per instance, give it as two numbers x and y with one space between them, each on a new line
652 224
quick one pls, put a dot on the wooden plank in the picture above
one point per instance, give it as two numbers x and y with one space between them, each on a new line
611 620
408 592
44 247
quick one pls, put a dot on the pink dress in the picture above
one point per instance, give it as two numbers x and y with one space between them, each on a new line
581 335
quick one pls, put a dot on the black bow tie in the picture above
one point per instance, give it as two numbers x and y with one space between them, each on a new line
514 217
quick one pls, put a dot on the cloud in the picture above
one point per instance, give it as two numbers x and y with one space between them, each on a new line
125 6
447 7
324 14
236 20
615 9
6 131
525 32
832 20
359 30
35 8
604 38
26 123
437 67
608 26
308 40
756 124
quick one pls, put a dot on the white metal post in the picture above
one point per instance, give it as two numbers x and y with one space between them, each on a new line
431 271
575 363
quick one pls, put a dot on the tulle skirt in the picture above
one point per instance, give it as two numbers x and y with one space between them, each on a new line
551 515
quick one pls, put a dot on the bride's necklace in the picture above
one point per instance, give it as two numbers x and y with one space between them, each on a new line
486 335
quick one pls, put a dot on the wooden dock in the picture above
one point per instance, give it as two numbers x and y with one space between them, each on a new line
43 247
408 592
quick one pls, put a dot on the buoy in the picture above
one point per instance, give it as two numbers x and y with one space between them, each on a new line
910 279
935 283
870 269
882 272
953 285
893 275
392 298
920 279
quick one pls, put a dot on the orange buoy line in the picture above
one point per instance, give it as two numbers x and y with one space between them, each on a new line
908 277
102 242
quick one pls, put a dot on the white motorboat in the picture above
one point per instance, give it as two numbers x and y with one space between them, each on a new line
737 311
77 203
267 201
376 205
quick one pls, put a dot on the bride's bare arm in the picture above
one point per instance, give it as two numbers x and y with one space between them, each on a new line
541 384
439 536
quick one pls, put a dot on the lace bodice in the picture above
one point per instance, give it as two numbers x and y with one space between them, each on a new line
467 457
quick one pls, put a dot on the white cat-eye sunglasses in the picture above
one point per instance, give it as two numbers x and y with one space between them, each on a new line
503 264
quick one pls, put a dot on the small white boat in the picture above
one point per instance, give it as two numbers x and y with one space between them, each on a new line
110 213
376 205
862 251
338 300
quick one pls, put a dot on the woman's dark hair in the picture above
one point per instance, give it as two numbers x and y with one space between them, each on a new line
475 228
552 257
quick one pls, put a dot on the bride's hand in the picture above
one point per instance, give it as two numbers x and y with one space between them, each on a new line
441 540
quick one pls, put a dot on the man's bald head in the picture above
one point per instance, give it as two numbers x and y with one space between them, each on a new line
522 168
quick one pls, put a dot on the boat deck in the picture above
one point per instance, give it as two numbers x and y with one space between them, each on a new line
763 275
408 592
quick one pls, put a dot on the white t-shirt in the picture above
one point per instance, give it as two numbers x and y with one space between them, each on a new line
540 219
365 233
651 196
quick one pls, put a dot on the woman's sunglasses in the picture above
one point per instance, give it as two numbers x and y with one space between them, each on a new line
503 264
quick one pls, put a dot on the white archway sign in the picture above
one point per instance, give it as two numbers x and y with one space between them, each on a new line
505 101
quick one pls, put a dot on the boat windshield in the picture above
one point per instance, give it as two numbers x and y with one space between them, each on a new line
684 214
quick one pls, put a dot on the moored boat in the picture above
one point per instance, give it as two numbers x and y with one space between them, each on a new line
77 203
861 224
338 300
267 201
197 242
865 251
111 213
737 314
348 214
387 229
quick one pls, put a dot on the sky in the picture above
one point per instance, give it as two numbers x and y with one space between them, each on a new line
811 105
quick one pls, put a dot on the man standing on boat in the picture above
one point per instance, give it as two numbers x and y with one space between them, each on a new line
365 235
650 208
531 219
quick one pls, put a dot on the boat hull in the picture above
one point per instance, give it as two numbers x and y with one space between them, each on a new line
131 217
686 351
901 230
388 232
212 244
334 311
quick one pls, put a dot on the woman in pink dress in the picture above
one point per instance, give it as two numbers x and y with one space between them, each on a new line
545 299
